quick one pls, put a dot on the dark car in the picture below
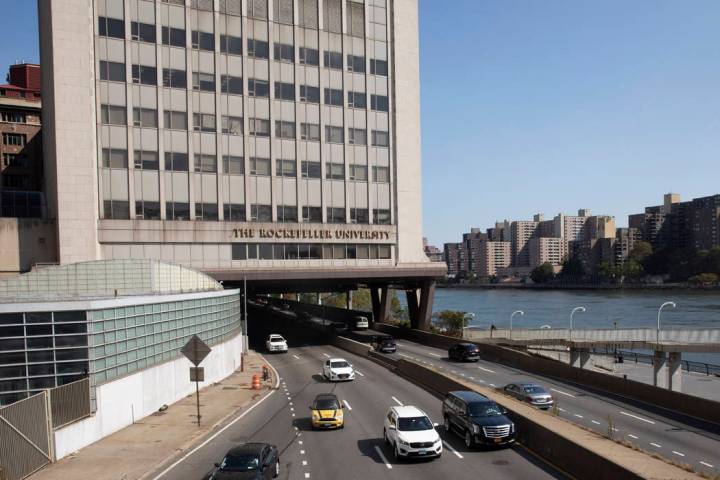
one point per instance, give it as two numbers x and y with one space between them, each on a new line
338 328
531 393
384 344
249 461
464 352
477 419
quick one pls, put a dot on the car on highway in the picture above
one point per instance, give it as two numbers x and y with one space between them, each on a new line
532 393
477 419
276 343
464 352
411 433
361 323
338 369
384 344
327 412
249 461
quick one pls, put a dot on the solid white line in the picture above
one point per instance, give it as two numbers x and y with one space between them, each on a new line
397 401
296 357
434 354
707 465
359 373
632 436
638 418
347 405
678 453
579 416
492 384
449 447
486 370
655 445
562 393
403 355
328 356
382 457
595 422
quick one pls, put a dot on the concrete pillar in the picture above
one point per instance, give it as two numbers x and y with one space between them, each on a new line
375 300
413 305
579 357
384 313
319 299
674 374
349 299
659 361
427 296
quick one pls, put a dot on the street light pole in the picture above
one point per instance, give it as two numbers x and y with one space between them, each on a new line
245 336
576 309
511 319
673 305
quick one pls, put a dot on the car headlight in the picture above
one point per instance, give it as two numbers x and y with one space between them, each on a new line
476 429
512 427
339 415
403 442
315 415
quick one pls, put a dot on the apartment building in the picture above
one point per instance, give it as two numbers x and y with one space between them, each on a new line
547 250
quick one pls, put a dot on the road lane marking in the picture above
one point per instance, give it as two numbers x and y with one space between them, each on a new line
307 475
397 401
633 436
453 371
678 453
561 409
292 409
707 465
579 416
481 380
655 445
296 357
492 385
299 442
403 355
382 457
347 405
328 356
471 378
434 354
360 373
486 370
562 393
302 452
304 463
449 447
638 418
595 422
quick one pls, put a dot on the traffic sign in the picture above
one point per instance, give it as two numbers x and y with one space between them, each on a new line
195 350
197 374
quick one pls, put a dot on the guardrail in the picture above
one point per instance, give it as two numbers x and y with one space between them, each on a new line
670 335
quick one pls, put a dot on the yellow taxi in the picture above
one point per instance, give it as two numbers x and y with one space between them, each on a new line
327 412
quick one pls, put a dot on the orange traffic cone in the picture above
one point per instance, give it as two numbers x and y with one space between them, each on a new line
256 382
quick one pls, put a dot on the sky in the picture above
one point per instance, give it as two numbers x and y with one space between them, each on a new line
547 106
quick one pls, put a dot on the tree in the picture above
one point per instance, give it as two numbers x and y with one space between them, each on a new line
641 251
452 321
633 269
704 279
608 271
573 267
543 273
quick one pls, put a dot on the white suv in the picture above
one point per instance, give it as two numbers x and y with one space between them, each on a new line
338 369
276 343
411 433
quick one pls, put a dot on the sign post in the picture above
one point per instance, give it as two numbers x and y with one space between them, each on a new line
196 350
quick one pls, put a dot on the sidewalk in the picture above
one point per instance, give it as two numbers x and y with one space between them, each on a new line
142 447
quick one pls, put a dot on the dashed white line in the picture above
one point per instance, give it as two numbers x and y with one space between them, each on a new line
579 416
486 370
492 385
299 442
302 452
397 401
360 373
655 445
347 405
296 357
382 457
304 463
563 393
453 371
449 447
292 409
326 355
307 475
561 409
680 454
637 418
403 355
707 465
632 436
434 354
471 378
595 422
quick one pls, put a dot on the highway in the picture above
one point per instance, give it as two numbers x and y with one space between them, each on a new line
643 427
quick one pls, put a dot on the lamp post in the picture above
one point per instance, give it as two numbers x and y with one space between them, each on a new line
576 309
673 305
511 319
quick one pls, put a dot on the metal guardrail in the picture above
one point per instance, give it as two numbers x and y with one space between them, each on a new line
685 336
70 402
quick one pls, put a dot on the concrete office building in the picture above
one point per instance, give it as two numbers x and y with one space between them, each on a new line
273 140
547 250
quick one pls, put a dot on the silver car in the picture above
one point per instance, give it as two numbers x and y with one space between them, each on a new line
531 393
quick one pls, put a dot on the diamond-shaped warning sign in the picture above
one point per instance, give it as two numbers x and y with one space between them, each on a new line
196 350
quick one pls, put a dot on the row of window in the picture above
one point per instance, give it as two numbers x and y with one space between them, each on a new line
14 139
294 251
15 160
13 117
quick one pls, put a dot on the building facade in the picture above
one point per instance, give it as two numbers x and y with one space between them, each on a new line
547 250
493 256
521 232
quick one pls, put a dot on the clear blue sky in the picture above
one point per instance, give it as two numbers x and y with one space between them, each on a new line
548 105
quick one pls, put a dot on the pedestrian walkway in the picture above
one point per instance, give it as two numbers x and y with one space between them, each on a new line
155 440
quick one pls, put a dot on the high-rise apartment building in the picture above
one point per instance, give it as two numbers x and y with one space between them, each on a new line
547 250
493 256
570 227
521 232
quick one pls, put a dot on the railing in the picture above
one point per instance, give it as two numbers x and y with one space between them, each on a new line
686 336
70 402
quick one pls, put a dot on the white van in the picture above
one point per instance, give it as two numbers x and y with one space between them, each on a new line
361 323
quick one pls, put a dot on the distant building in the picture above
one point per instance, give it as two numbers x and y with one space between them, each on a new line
520 233
452 254
570 227
473 246
493 256
624 243
433 253
547 250
499 233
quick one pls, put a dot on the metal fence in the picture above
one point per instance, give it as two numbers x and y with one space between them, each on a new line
70 402
689 335
26 435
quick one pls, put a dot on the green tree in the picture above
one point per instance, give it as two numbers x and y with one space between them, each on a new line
452 321
641 251
543 273
704 279
361 300
572 267
633 269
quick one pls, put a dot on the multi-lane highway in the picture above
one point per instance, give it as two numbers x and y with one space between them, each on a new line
357 451
644 427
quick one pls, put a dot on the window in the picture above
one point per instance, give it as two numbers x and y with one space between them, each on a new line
206 211
142 32
112 71
236 212
310 132
202 4
230 7
308 13
285 168
239 250
355 13
358 136
257 48
233 165
111 27
146 160
203 81
229 84
358 172
144 75
384 251
147 210
379 103
259 166
335 215
283 11
381 174
232 125
310 169
173 36
145 117
284 52
114 158
334 134
258 88
381 217
378 67
334 171
309 56
117 209
332 16
203 40
203 122
287 213
357 100
356 64
174 78
175 120
380 138
359 215
285 129
205 163
259 127
177 211
176 161
113 115
13 117
284 91
333 97
231 45
261 213
257 9
333 60
312 214
15 160
309 94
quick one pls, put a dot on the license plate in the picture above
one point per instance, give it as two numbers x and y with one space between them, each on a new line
498 440
422 452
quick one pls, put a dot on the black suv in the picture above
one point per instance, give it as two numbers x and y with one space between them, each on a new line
249 461
477 419
384 344
464 352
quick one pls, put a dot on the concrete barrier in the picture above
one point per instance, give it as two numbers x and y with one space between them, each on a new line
674 402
